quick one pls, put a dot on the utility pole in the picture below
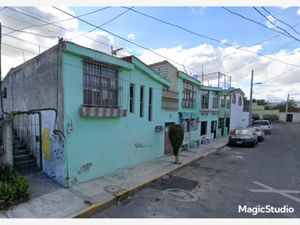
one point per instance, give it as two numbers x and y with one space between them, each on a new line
287 106
250 103
219 79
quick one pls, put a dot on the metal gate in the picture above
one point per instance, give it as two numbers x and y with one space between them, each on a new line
27 140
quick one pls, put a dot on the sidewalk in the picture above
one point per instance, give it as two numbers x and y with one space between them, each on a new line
84 199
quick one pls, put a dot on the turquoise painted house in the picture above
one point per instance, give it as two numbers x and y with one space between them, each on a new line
209 111
99 113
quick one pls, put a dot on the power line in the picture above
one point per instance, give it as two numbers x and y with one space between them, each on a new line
103 24
30 42
267 11
122 38
286 32
23 50
254 21
271 78
59 21
28 32
282 46
51 23
210 38
257 43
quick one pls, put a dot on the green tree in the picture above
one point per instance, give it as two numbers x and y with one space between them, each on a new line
292 106
176 135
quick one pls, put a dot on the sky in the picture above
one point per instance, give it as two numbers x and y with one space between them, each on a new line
274 56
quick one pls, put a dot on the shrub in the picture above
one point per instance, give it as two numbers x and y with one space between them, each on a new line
255 117
176 135
13 187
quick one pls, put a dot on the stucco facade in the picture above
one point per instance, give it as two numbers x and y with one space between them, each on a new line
91 141
238 118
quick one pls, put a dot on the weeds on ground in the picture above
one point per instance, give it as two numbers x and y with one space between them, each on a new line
13 187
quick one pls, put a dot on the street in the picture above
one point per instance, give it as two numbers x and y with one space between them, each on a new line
215 186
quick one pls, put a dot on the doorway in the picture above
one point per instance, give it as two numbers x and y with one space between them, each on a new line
213 128
167 145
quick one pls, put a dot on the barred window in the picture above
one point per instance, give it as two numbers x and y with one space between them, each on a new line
222 101
204 99
100 85
188 95
215 101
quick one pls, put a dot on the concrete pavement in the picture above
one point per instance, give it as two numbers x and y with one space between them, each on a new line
215 186
83 200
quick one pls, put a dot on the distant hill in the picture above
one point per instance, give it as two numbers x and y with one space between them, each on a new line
272 104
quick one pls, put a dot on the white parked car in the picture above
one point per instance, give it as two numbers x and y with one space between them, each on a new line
264 125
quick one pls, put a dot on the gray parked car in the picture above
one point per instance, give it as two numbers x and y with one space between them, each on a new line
243 137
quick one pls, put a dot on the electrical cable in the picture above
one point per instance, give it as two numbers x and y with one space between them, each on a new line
280 28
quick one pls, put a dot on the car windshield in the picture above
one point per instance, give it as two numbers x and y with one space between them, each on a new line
260 123
245 132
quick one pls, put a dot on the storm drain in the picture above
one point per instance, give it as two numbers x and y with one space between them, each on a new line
175 183
181 195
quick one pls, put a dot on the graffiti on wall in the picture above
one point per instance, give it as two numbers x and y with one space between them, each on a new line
58 149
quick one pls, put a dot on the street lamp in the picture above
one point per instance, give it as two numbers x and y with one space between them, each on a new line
250 103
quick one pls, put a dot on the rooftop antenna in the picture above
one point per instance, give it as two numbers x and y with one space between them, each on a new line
114 52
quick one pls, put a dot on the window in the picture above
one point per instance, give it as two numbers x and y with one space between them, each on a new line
203 128
100 85
233 99
240 100
150 104
142 101
215 101
204 99
228 101
131 98
188 95
222 101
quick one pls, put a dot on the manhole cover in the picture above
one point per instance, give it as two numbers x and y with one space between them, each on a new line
181 195
113 188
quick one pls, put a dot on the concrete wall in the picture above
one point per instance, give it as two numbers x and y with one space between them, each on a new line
97 146
36 84
53 156
7 142
168 71
296 117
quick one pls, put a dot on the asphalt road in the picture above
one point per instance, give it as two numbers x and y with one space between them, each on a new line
267 175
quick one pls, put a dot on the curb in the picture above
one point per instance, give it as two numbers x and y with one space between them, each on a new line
123 194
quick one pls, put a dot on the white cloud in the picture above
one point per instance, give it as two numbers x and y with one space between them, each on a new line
298 11
36 23
131 36
228 60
